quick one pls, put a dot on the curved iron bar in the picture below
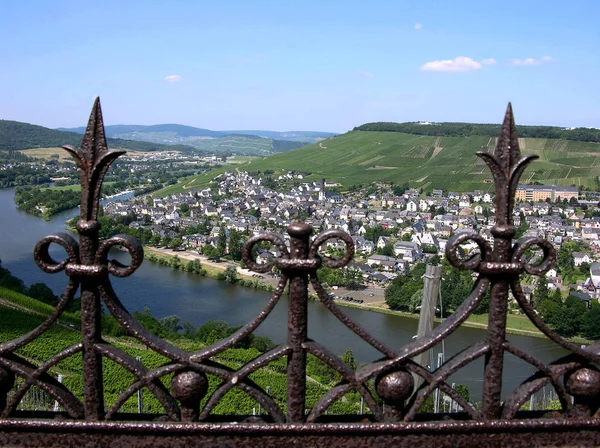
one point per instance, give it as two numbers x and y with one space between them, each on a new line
531 314
428 376
247 329
15 344
543 370
43 368
240 376
152 375
335 394
471 264
135 367
42 257
137 330
209 367
527 243
332 263
440 375
267 238
134 249
448 326
46 382
343 318
538 380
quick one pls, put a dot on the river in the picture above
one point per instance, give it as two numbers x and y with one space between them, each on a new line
198 299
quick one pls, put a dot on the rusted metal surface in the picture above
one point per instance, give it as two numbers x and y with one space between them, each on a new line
394 407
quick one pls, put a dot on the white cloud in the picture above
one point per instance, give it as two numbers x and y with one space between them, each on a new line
458 64
173 78
368 74
488 61
418 26
532 61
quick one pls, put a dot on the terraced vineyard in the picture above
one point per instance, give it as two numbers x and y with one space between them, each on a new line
20 314
449 163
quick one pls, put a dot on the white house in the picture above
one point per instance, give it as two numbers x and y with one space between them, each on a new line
580 258
408 250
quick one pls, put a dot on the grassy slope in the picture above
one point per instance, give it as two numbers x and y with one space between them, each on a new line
45 153
424 162
20 314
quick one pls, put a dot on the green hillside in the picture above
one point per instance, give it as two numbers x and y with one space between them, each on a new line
20 314
484 130
428 162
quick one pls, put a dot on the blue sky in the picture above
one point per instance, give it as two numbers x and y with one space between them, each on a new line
300 65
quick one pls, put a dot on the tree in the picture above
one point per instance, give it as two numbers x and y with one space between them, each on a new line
590 327
584 268
463 391
213 331
388 250
330 276
523 227
155 240
236 245
373 233
400 294
175 243
11 282
231 274
176 262
166 240
456 287
149 201
189 330
222 242
210 251
171 323
435 260
569 317
540 293
566 262
41 292
352 278
548 310
399 190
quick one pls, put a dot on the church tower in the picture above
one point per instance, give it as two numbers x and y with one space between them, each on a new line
322 190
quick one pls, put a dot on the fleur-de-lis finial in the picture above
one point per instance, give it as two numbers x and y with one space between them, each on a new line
93 159
506 165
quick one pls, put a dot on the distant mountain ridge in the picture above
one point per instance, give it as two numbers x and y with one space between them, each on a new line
191 131
15 135
261 143
118 129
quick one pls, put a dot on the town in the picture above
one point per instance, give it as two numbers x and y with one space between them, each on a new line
394 228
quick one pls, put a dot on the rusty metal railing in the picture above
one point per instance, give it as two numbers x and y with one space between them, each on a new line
395 406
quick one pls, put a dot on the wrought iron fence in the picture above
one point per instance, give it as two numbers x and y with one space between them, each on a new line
395 405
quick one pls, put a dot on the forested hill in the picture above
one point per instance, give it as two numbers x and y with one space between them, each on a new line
15 135
484 130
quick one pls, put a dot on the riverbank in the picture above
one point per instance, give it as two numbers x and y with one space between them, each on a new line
373 298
